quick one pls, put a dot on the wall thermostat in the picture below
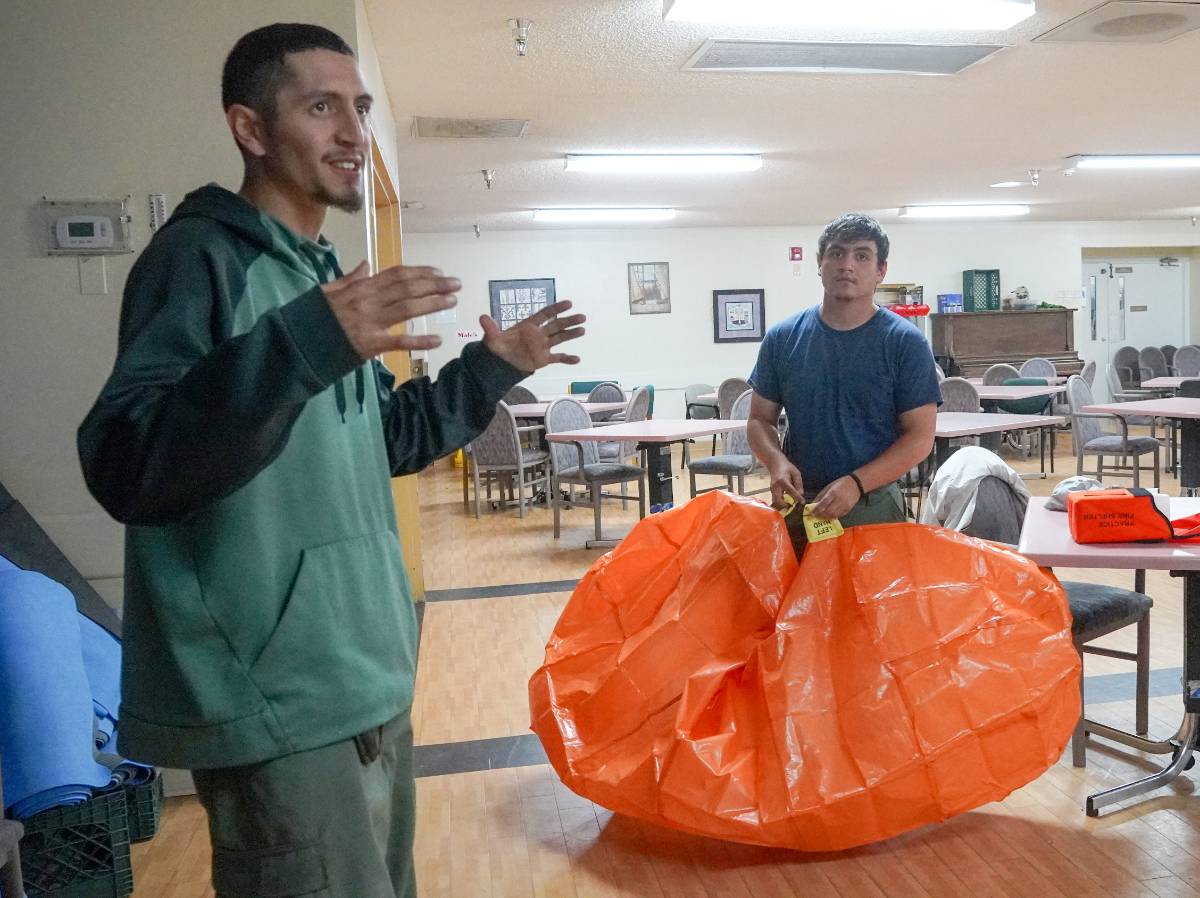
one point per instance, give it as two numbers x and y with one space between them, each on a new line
83 232
86 227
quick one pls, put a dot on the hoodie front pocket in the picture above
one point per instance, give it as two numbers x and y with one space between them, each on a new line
347 628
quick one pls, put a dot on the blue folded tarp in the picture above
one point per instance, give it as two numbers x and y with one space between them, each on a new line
47 717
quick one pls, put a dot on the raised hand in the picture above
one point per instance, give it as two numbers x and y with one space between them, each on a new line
528 345
368 306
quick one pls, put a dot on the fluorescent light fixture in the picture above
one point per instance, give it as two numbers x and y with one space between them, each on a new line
665 163
941 15
593 216
1010 184
1161 160
997 210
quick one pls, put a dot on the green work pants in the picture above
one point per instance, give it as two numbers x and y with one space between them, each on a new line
333 822
884 505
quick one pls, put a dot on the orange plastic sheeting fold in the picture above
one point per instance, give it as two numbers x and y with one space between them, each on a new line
900 674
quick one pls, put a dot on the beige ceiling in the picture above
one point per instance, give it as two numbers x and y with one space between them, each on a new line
607 76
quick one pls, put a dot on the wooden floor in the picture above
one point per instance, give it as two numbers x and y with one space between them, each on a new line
519 832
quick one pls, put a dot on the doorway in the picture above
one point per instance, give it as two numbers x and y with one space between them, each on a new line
1134 302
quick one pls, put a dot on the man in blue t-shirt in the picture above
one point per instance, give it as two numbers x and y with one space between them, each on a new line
858 385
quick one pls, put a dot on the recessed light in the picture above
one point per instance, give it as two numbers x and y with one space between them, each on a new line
414 205
1151 161
1009 184
944 15
996 210
577 216
664 163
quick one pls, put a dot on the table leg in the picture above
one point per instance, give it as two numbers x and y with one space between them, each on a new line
941 451
1189 452
1184 743
659 469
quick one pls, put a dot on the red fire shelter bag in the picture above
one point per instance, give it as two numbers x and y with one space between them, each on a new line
1124 516
701 679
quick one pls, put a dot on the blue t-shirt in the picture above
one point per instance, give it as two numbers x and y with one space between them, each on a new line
844 391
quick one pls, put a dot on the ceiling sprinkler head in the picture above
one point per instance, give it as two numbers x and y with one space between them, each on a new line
520 29
475 227
489 175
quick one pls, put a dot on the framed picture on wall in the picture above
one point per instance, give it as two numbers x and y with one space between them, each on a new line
738 316
649 288
513 301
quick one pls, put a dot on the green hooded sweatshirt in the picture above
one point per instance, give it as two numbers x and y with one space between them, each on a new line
248 449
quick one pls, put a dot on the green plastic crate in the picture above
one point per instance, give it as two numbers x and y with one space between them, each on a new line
981 290
80 851
144 804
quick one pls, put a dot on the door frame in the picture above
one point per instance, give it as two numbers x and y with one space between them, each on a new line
385 248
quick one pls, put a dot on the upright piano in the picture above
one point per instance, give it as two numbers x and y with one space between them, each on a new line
968 343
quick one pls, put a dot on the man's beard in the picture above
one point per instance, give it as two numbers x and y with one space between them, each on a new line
351 202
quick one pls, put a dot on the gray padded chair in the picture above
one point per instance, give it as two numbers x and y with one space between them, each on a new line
1187 361
1096 610
579 463
693 408
520 395
1127 362
1168 352
608 391
636 410
959 395
1089 374
498 455
727 394
1153 362
939 371
996 375
1090 438
735 461
1039 367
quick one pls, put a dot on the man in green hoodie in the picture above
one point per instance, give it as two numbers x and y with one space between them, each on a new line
246 437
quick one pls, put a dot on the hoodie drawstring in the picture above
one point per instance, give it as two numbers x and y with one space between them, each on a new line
339 395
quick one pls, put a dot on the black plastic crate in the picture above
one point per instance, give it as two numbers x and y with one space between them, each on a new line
144 803
981 290
80 851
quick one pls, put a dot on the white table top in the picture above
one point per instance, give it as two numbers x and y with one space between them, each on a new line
1046 539
1164 383
1057 379
1176 407
658 430
1003 392
538 409
965 424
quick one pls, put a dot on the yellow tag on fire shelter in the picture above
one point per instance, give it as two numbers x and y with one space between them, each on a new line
818 529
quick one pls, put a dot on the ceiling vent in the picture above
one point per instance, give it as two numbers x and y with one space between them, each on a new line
1128 22
837 58
473 128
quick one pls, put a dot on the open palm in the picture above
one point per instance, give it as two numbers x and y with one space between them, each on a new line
529 344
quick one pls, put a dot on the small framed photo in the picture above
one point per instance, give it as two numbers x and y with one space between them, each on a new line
738 316
514 301
649 288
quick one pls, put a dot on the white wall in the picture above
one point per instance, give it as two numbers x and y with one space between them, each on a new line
106 99
676 349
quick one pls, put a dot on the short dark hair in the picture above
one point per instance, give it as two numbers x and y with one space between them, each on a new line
257 65
852 227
